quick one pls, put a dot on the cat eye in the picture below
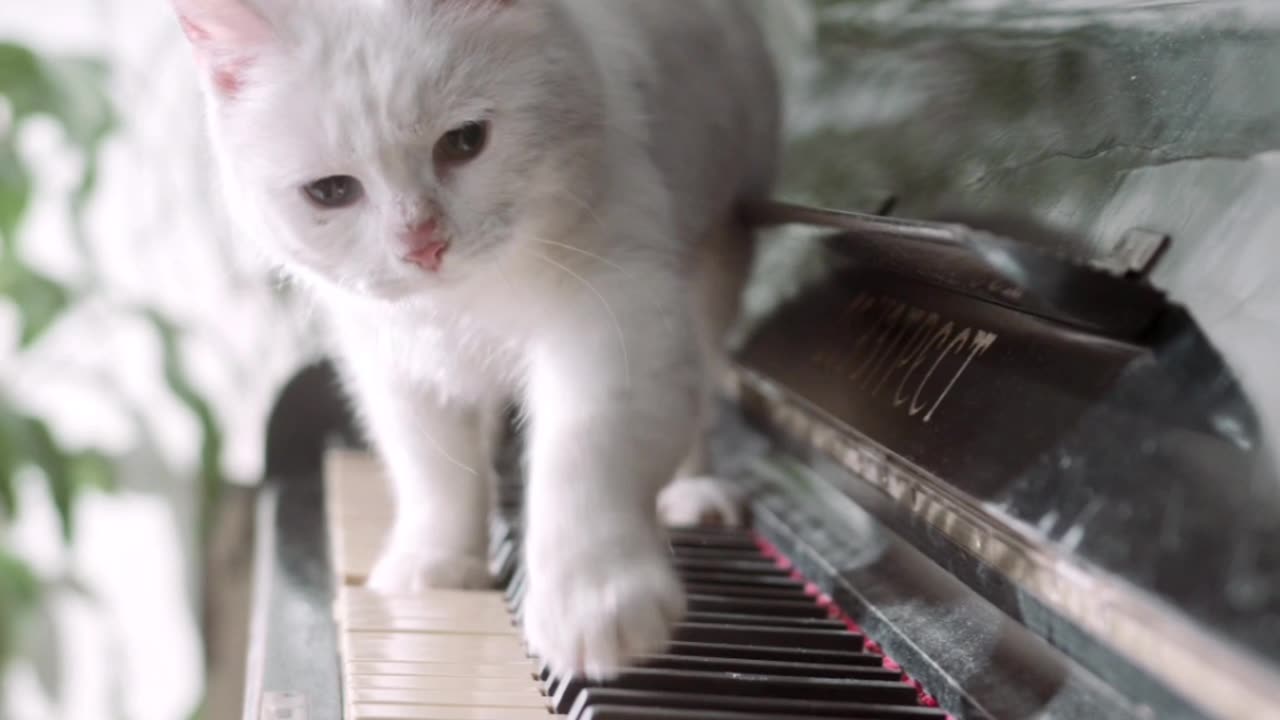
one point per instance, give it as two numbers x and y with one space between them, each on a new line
462 144
338 191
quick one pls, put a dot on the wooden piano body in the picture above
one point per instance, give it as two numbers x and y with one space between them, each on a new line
1037 467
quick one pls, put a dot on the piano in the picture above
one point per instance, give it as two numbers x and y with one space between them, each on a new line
1005 458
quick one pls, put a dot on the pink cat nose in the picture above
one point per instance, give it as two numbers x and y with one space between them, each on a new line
424 249
429 257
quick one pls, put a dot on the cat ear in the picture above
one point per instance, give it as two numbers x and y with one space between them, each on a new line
226 35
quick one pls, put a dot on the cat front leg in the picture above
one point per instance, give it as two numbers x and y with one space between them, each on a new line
606 436
438 461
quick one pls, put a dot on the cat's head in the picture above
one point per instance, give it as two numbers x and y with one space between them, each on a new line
393 147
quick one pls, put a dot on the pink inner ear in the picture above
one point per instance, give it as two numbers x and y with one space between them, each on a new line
226 36
229 80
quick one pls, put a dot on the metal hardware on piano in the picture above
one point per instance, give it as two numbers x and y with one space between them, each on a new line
1022 470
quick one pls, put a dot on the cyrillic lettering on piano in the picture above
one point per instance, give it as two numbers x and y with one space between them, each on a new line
893 341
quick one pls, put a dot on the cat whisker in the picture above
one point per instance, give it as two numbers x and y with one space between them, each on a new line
626 273
570 195
622 339
589 254
457 463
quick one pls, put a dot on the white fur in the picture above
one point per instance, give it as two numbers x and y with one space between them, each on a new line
700 502
594 263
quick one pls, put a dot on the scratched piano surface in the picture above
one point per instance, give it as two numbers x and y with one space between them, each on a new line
1058 499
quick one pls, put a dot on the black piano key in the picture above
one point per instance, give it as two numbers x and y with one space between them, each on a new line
770 667
713 542
780 654
499 531
778 637
749 659
709 578
712 532
750 592
754 646
504 563
792 600
713 609
617 712
551 685
696 705
752 568
515 588
748 606
707 618
738 685
728 554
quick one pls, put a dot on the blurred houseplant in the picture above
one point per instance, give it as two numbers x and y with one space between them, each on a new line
71 92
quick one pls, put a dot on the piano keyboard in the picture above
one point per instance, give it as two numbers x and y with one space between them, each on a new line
757 644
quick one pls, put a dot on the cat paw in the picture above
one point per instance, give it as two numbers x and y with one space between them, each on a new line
591 614
408 573
701 502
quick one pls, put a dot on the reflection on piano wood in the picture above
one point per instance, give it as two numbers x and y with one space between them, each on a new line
755 645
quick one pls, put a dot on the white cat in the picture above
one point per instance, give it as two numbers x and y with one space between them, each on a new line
492 198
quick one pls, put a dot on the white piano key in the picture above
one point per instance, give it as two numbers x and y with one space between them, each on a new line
444 626
527 698
356 597
436 655
409 682
521 668
422 712
426 648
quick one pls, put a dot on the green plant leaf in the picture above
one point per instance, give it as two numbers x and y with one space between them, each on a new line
21 79
40 642
201 710
211 474
71 92
85 111
9 463
32 444
20 593
44 453
71 89
26 441
40 301
15 193
92 471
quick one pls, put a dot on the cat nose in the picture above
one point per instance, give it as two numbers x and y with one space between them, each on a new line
423 246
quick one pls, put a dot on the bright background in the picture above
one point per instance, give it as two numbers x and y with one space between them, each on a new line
163 348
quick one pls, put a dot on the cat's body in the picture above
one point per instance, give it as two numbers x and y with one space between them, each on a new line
584 260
